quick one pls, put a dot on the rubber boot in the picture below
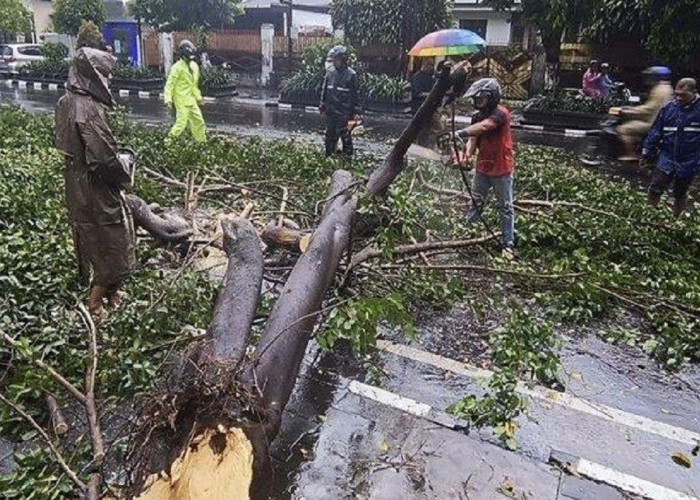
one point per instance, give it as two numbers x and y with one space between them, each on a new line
678 208
95 307
115 299
654 199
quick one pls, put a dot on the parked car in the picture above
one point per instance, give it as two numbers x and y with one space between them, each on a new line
15 56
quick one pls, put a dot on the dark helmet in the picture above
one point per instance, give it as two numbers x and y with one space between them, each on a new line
337 51
486 87
605 66
594 62
658 73
187 49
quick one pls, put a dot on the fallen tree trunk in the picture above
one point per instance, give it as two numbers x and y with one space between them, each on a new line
218 436
381 178
229 332
162 229
184 427
291 322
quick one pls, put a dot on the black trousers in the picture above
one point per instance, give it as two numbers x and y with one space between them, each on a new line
337 128
660 182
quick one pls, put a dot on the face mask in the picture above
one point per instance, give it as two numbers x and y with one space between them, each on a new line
329 65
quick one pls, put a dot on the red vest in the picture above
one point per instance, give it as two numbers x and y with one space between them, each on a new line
495 158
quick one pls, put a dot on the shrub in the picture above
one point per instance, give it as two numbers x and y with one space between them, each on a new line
560 100
89 35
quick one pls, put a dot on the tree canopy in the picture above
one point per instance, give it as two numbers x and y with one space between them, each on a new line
401 22
186 15
68 15
14 17
668 30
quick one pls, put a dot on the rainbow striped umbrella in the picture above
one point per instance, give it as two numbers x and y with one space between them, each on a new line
453 42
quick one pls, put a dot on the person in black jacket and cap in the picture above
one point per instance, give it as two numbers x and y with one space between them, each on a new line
339 101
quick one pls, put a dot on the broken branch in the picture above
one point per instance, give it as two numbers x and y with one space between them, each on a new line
372 253
59 458
74 391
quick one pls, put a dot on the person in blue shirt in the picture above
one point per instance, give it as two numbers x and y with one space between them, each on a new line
607 84
675 139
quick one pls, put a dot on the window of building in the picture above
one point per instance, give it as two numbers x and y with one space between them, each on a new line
478 26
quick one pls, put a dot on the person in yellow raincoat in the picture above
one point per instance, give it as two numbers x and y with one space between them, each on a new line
182 91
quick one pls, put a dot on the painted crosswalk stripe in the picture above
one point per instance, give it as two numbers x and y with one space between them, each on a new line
615 478
554 397
407 405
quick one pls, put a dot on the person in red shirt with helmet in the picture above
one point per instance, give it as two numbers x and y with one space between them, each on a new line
491 140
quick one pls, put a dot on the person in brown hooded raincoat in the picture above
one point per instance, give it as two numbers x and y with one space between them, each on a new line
95 176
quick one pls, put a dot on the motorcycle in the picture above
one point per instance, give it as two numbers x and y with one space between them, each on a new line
604 144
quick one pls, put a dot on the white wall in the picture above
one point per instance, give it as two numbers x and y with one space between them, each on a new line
497 27
42 11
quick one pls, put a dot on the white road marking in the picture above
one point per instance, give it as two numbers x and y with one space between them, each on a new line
407 405
284 106
628 483
53 86
123 93
311 109
390 399
22 84
539 128
209 99
569 132
144 94
567 400
37 86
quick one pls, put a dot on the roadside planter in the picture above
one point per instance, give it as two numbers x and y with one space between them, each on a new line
562 119
562 110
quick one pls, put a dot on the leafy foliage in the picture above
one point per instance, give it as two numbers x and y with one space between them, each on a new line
68 15
128 72
553 18
54 65
89 35
400 22
524 349
15 18
667 29
215 78
560 100
185 15
309 78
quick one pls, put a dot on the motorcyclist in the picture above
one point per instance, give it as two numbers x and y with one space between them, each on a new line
339 102
675 138
607 84
590 84
182 91
638 119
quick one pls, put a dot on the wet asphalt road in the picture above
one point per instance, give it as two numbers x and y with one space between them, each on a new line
249 117
620 412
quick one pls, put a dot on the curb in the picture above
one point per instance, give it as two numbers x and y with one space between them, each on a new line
141 94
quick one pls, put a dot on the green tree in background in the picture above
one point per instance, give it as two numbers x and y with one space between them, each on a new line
186 15
14 17
89 35
669 30
68 15
400 22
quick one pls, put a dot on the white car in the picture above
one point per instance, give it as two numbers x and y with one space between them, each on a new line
15 56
